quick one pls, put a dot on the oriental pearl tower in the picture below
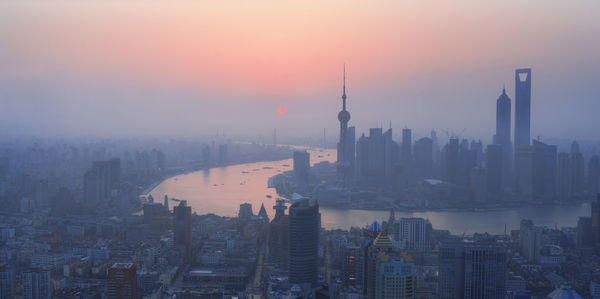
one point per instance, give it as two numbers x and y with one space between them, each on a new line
343 163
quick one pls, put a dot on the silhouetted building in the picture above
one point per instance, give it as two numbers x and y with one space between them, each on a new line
502 137
451 161
522 107
305 223
62 203
494 168
423 157
102 181
122 281
279 236
524 172
352 265
37 284
245 212
182 228
544 171
301 169
596 223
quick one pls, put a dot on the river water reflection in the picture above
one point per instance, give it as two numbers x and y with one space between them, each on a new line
222 190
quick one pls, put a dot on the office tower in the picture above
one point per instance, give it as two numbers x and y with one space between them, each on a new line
544 171
467 160
563 181
593 178
472 271
406 148
362 160
411 233
530 240
352 264
305 223
245 212
423 157
182 228
436 146
380 248
93 187
166 202
395 279
502 119
502 136
279 236
37 284
343 161
451 280
485 272
451 161
376 160
122 281
301 170
522 107
577 171
494 168
585 234
7 282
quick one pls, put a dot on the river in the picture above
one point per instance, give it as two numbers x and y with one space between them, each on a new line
221 190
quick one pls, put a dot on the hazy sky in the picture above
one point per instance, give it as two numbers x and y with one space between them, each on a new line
194 68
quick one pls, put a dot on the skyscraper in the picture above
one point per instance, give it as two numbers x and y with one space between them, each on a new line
279 236
502 136
395 279
122 281
522 107
343 162
37 284
381 247
182 228
406 151
485 272
301 169
502 119
472 271
411 233
304 226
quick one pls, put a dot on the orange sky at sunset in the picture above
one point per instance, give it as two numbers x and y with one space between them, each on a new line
269 50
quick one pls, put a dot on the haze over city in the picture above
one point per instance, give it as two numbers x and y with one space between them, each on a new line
299 150
190 69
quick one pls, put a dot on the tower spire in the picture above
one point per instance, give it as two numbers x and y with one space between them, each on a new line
344 94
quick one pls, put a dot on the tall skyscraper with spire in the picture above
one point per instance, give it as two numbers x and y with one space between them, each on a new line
344 151
502 137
